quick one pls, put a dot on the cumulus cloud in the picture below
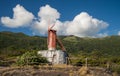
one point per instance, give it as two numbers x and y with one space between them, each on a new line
48 13
85 25
82 25
101 35
21 17
47 16
119 33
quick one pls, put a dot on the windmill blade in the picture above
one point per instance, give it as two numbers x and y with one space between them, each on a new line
52 26
60 44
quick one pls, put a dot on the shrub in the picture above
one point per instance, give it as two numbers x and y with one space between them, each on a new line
31 58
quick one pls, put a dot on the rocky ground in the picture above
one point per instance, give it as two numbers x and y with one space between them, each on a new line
54 71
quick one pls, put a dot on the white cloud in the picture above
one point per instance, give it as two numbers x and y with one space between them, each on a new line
119 33
47 16
21 17
83 25
48 13
101 35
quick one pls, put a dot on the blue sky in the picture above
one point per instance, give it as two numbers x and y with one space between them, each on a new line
105 10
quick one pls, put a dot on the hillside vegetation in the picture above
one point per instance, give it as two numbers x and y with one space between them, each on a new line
100 50
19 42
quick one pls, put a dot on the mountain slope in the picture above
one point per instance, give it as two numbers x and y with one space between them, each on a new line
10 41
17 43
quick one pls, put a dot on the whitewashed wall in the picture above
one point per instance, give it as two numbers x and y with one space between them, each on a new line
59 58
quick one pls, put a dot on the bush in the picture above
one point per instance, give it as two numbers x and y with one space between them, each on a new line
31 58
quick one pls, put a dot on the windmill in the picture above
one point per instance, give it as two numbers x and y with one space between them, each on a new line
53 55
53 39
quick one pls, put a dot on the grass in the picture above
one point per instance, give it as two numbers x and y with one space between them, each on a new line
57 70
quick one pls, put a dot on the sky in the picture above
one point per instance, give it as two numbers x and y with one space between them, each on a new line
83 18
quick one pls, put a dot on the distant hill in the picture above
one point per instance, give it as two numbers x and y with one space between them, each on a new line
108 45
17 43
99 51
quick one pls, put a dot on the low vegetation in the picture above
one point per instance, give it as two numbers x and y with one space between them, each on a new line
31 58
54 71
102 52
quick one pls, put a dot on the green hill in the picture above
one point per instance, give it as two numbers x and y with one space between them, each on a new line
107 45
18 43
101 50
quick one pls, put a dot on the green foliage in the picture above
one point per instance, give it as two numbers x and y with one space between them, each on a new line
15 44
116 69
31 58
98 50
